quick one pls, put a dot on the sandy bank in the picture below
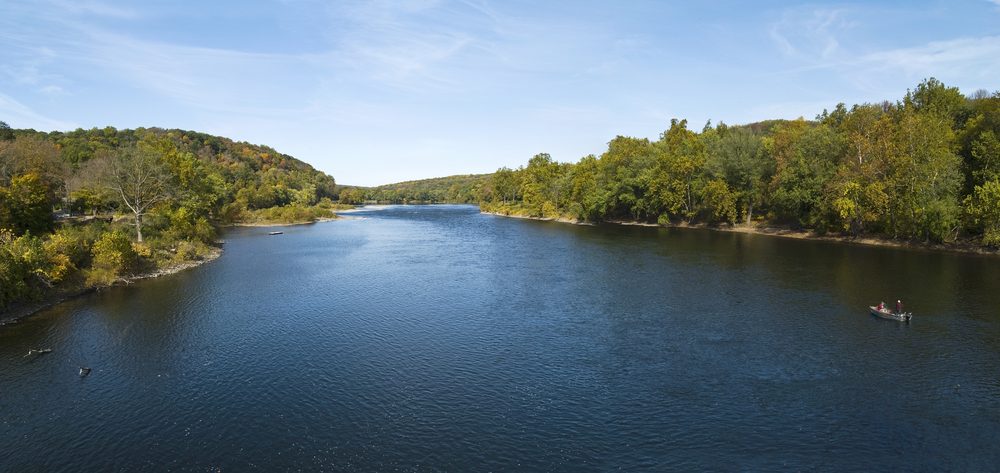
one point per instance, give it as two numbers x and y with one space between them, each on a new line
281 224
959 247
542 219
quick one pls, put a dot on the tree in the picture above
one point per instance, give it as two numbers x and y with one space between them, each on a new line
113 255
621 177
983 209
505 185
32 154
25 206
6 133
740 158
139 178
352 195
538 184
924 178
931 96
805 159
680 160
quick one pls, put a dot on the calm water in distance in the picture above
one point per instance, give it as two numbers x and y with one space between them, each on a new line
434 338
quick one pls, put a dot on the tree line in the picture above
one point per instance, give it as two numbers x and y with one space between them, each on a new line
84 208
458 189
923 168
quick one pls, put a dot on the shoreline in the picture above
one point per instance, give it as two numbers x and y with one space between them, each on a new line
275 224
962 248
18 312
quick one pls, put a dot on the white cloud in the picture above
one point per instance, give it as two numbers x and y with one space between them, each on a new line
19 115
809 33
95 8
966 57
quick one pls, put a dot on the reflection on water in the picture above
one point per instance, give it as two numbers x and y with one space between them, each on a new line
436 338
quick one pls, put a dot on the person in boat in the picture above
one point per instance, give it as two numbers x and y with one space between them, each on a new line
881 306
899 306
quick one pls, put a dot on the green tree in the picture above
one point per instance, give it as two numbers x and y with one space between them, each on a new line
539 183
113 252
505 185
6 133
680 157
983 210
924 178
718 203
621 180
25 206
931 96
741 159
806 158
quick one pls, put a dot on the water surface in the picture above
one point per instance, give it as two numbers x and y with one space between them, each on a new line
434 338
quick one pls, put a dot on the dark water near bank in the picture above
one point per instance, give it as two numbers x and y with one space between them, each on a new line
438 339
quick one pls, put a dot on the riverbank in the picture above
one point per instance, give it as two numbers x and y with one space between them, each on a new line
958 247
283 224
546 219
20 311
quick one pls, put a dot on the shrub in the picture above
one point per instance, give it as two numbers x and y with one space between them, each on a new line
113 252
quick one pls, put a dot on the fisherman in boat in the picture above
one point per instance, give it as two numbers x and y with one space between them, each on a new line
899 306
881 306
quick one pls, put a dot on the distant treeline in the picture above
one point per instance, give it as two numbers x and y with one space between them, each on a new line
87 207
461 189
924 168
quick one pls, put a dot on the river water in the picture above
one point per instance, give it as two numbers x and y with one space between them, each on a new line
434 338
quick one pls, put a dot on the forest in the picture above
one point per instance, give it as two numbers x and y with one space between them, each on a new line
925 169
459 189
88 208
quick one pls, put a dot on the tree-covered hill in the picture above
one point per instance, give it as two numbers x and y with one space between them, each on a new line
925 168
459 189
87 207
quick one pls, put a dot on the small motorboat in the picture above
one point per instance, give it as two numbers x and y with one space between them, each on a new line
886 313
275 233
38 352
84 371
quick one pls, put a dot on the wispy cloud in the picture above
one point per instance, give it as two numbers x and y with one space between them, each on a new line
809 33
968 57
96 8
19 115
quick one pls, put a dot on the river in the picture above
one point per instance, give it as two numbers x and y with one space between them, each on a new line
435 338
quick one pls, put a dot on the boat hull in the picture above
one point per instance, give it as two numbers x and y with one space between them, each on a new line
887 314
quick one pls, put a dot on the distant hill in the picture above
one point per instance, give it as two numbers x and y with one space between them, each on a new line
458 189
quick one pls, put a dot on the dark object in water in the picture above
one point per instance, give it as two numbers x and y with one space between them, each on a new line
38 352
275 233
885 313
84 371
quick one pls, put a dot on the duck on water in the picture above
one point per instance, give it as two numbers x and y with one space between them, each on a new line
884 312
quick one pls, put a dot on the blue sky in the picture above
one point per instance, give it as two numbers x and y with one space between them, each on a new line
381 91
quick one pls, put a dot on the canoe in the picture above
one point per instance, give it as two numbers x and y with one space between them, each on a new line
888 314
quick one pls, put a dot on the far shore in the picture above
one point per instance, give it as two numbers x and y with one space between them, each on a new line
20 311
281 224
966 248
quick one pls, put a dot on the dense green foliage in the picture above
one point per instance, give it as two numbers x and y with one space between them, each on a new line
87 207
460 189
926 168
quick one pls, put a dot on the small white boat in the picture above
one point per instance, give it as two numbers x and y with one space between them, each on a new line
885 313
275 233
